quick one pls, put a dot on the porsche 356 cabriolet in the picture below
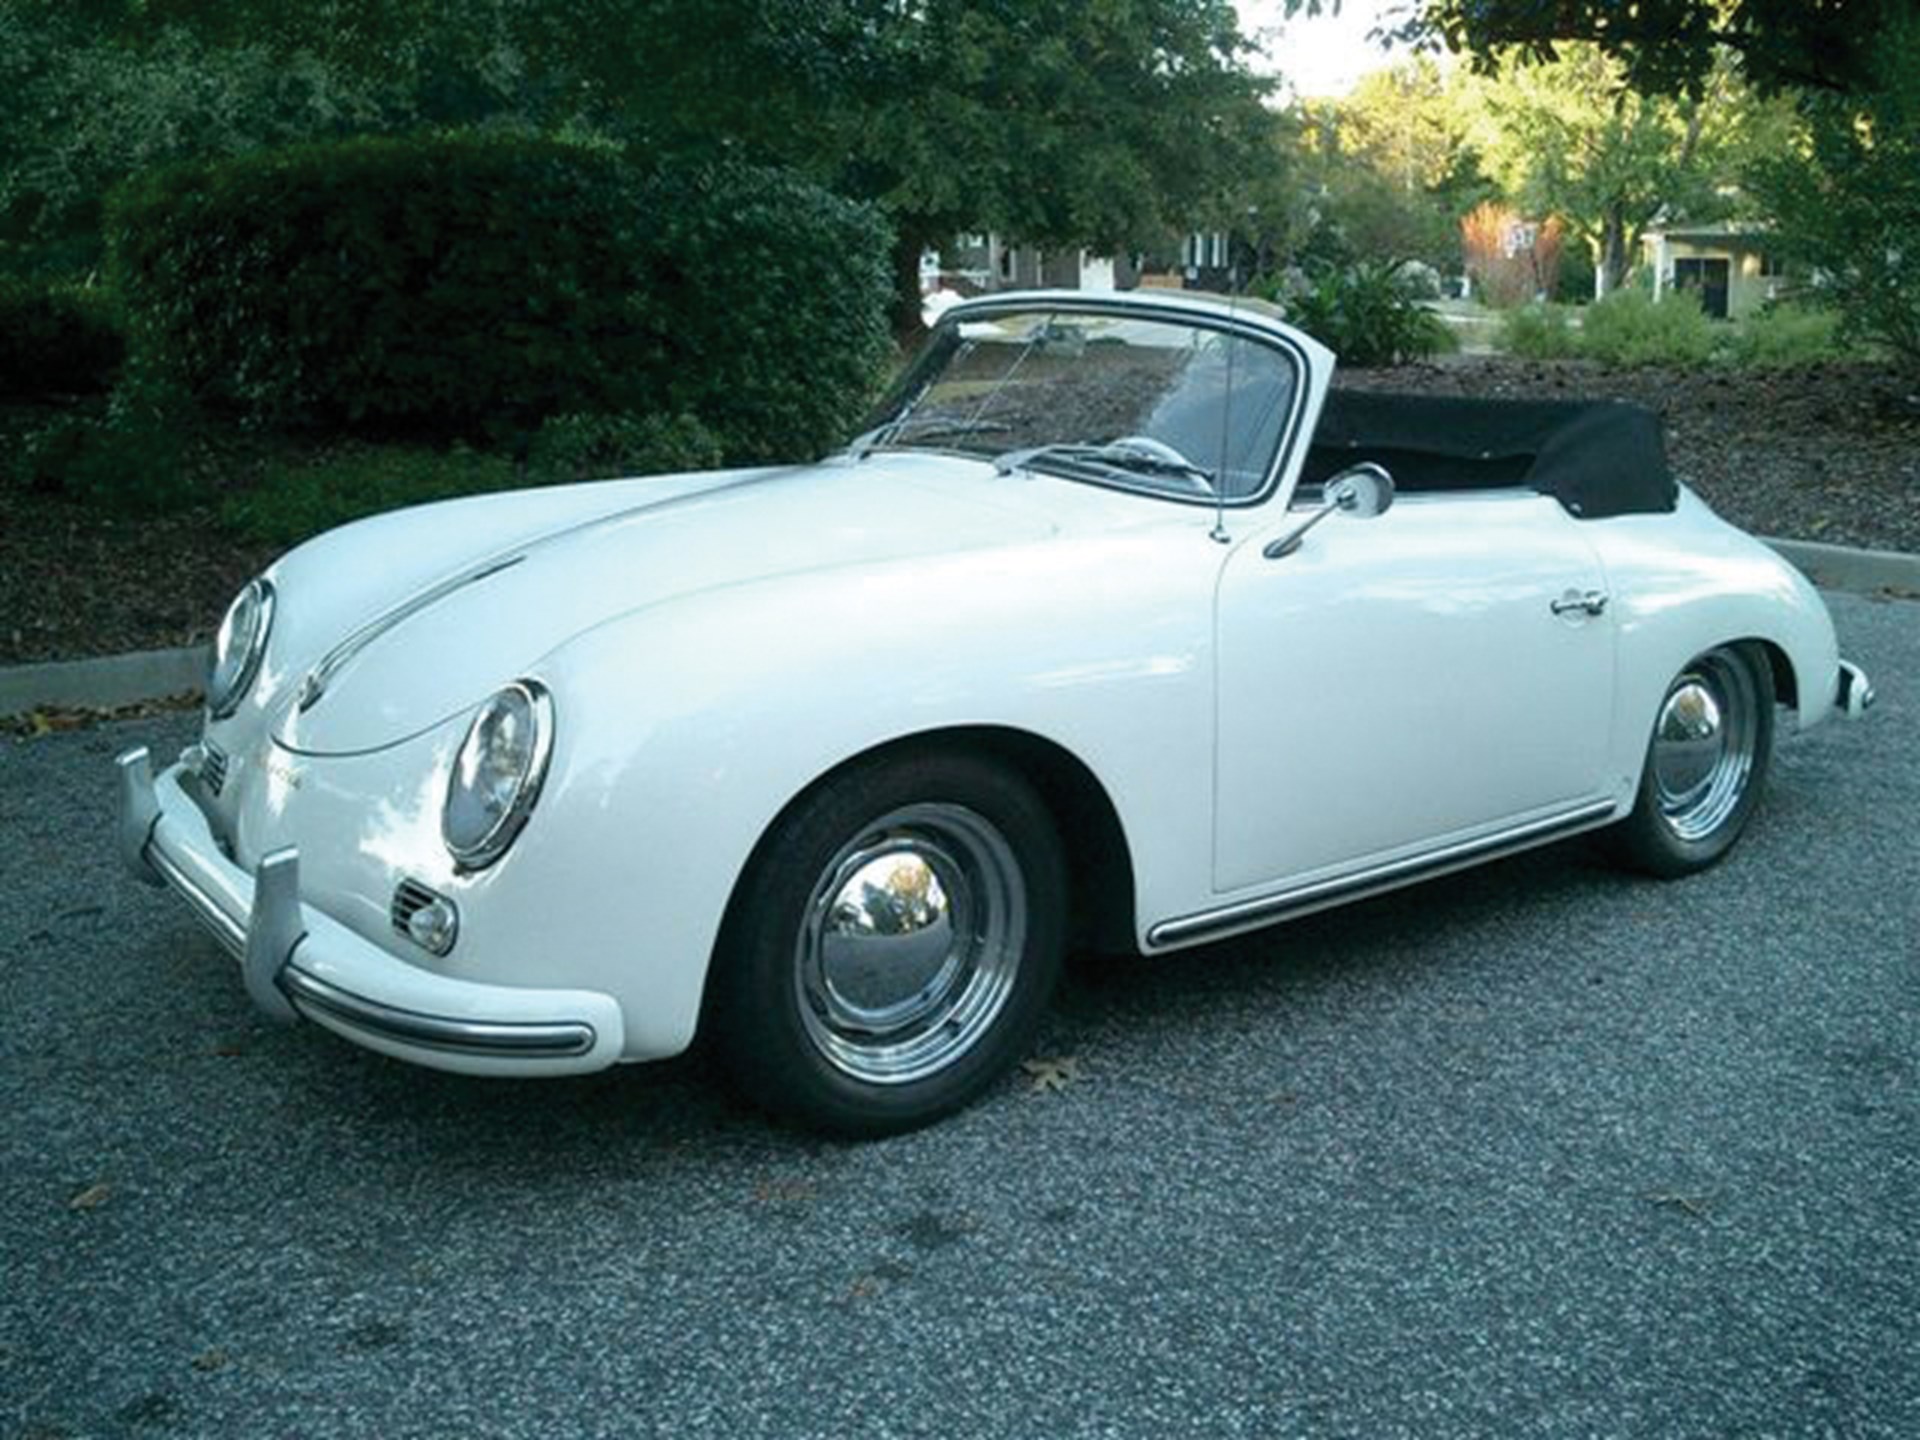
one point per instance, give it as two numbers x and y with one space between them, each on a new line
1119 629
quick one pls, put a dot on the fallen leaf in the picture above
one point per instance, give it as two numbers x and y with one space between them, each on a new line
1051 1072
1696 1204
91 1198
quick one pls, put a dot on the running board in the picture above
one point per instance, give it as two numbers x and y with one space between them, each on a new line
1321 894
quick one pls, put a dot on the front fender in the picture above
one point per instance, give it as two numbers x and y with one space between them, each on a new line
684 730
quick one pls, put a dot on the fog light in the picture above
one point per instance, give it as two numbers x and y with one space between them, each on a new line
434 926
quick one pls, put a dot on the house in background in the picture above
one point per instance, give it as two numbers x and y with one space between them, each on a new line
1729 266
978 264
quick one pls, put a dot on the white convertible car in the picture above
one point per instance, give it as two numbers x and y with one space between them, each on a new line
834 761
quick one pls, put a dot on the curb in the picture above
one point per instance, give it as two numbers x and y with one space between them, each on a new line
112 680
105 682
1839 567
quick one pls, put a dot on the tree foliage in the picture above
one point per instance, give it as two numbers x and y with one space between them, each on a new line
1058 122
1846 201
1664 46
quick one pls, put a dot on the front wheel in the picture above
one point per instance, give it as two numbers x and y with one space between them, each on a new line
1706 761
893 945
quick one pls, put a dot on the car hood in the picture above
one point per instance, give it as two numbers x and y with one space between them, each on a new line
470 626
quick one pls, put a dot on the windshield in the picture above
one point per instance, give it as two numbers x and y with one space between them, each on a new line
1164 406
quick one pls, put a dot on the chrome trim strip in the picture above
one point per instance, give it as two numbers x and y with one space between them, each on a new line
530 1041
335 660
1320 894
231 933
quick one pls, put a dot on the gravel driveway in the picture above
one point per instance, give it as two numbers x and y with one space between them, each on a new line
1534 1151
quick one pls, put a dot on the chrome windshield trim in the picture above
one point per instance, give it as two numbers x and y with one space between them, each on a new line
511 1040
1320 894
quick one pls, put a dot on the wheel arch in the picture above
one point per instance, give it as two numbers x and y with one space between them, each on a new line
1100 873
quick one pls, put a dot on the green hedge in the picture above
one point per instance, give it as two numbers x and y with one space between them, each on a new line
446 282
778 294
56 340
477 284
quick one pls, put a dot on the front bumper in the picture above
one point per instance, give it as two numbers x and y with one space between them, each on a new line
297 961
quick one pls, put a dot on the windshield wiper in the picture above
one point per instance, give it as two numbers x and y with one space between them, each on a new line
931 427
1136 457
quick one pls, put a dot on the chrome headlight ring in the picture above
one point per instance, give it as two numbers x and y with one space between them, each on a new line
239 647
497 774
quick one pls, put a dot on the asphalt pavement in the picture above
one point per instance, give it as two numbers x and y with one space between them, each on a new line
1540 1150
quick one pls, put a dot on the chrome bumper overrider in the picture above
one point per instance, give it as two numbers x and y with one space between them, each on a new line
1853 692
342 980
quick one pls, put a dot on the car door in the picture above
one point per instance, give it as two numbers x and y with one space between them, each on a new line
1399 685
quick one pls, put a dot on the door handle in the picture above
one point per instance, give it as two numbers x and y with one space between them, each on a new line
1591 602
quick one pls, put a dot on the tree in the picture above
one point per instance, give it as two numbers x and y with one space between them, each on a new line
1394 165
1664 46
1568 138
1061 123
1846 200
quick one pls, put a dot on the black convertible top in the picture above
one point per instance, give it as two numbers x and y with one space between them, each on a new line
1596 457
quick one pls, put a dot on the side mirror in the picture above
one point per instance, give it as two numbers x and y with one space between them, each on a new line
1364 491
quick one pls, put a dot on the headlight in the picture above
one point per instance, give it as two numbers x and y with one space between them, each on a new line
238 648
497 774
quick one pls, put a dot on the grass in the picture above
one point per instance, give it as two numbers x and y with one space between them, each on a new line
1628 329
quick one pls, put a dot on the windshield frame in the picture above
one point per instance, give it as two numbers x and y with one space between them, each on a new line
906 391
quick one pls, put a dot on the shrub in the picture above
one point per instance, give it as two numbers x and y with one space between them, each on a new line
1539 332
475 285
448 282
1366 317
1629 328
140 453
1786 334
595 447
57 340
295 500
777 293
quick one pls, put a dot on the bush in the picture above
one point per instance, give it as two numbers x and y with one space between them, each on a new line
1629 328
1366 317
449 283
57 340
596 447
140 453
1539 332
475 285
777 295
296 500
1786 334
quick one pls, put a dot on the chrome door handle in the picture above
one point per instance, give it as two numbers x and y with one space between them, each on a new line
1591 602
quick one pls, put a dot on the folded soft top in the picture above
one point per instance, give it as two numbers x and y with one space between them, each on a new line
1597 458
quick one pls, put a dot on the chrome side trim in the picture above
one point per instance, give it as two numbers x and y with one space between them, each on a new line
1320 894
474 1037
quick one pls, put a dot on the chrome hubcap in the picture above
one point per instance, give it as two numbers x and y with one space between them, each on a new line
910 944
1703 746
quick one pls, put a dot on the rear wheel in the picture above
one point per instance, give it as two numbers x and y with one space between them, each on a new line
891 952
1706 762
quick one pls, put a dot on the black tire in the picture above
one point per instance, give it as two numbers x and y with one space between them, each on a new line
892 946
1705 767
